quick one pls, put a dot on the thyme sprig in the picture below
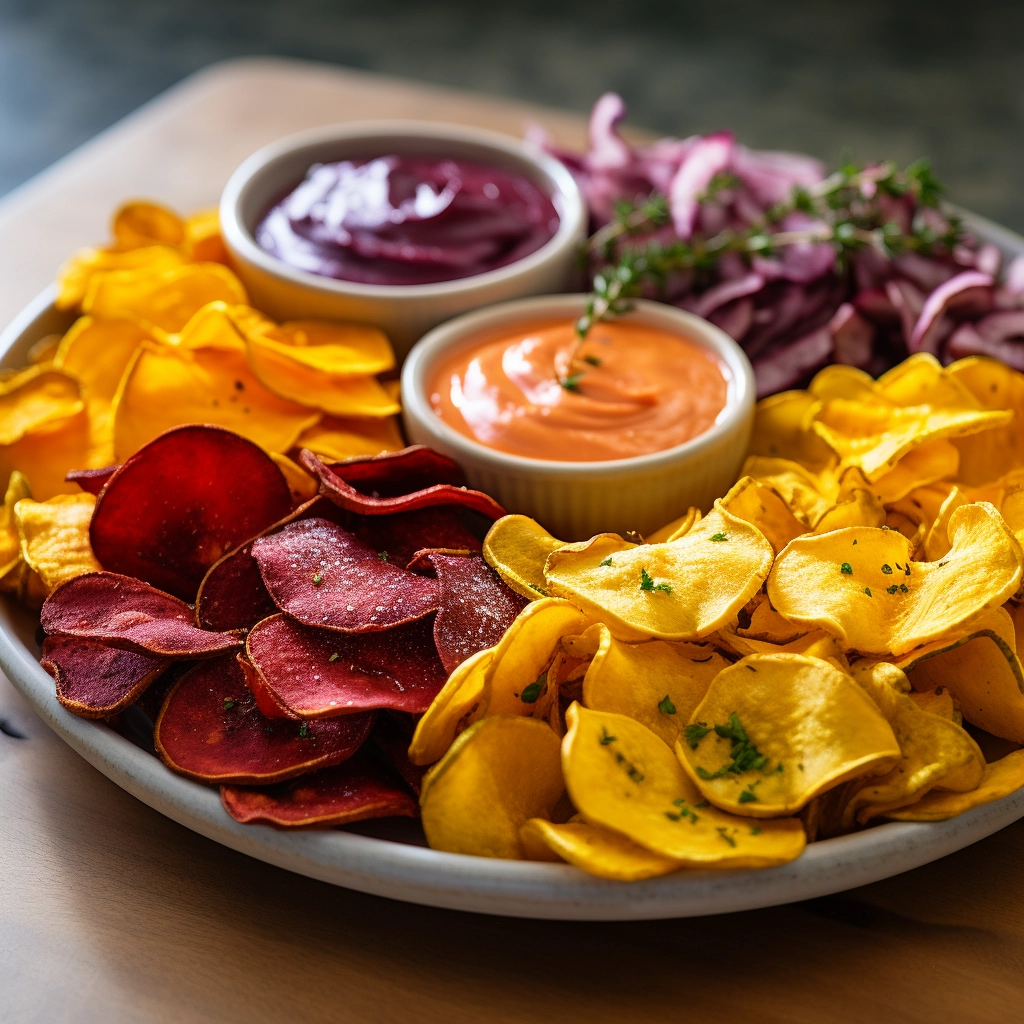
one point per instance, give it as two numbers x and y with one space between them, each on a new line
845 204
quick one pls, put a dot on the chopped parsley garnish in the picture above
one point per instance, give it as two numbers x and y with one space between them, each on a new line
572 382
893 589
745 756
904 588
747 797
719 536
592 359
535 689
728 838
702 805
846 568
854 542
334 657
755 831
317 579
229 703
887 569
665 705
607 561
382 555
303 731
648 584
695 733
867 590
606 737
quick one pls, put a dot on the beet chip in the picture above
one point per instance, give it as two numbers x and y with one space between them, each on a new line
476 607
232 594
91 480
393 473
266 700
95 681
120 611
210 729
392 734
317 674
346 496
183 500
321 575
354 791
403 534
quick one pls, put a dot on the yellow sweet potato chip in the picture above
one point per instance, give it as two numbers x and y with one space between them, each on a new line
165 298
167 385
621 776
936 752
775 730
46 454
76 276
346 396
658 683
938 702
759 505
54 537
142 223
462 701
335 439
337 349
303 485
922 380
682 590
782 430
203 242
35 398
498 774
861 508
598 851
1000 778
808 495
516 548
981 670
861 586
676 529
987 456
923 465
10 541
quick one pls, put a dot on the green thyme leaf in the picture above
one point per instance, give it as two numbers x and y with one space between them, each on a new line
695 733
572 382
846 569
719 536
533 691
229 703
746 797
607 561
665 705
606 737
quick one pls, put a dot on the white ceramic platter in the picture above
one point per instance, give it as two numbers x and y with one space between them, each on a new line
389 859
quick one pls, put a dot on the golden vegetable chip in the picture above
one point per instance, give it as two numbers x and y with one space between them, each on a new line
335 439
621 776
55 537
682 590
36 398
498 774
782 430
676 529
47 453
658 683
333 348
516 548
775 730
598 851
76 276
861 586
762 507
1000 778
10 541
143 223
936 751
861 508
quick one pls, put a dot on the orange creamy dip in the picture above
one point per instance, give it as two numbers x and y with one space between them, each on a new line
632 390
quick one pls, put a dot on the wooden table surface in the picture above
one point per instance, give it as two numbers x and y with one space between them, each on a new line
110 912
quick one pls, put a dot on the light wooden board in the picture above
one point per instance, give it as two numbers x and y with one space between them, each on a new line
111 913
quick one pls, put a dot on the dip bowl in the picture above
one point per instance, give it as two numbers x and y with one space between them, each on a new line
403 312
575 500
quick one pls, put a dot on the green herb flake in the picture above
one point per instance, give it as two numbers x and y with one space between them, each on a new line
887 569
665 705
535 689
904 588
867 590
606 737
745 755
854 542
572 382
592 359
334 657
725 835
702 805
695 733
317 579
229 703
747 797
382 555
756 830
893 589
846 569
303 731
607 561
719 536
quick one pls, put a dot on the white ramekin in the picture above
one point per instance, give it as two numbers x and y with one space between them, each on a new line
404 312
575 500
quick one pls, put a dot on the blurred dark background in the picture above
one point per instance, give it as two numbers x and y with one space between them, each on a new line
874 78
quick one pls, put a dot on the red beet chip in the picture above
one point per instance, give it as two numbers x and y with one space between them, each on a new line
96 681
181 502
317 674
476 607
346 496
403 534
321 575
354 791
124 612
421 560
266 700
210 729
91 480
393 473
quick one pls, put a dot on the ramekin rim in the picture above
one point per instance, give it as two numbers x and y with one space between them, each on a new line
739 404
239 239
